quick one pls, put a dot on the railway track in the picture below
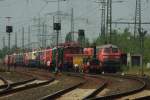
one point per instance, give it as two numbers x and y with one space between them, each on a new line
119 91
5 85
24 85
36 80
39 74
78 92
10 85
93 87
83 90
3 81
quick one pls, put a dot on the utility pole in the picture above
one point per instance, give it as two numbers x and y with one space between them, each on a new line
15 39
54 37
106 24
142 34
109 21
23 38
43 35
103 23
72 24
39 30
29 32
57 31
137 25
4 42
9 29
57 27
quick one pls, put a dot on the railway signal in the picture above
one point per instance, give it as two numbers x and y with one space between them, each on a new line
81 37
142 34
9 29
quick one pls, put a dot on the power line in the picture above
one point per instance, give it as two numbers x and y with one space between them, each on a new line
145 23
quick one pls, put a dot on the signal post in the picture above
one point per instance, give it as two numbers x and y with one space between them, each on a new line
9 29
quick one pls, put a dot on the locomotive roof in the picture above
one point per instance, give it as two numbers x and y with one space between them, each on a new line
107 46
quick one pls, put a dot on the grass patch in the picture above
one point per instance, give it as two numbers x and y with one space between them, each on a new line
136 70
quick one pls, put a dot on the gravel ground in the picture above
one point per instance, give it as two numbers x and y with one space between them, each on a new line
34 72
1 82
36 93
14 77
136 96
11 75
83 90
117 85
145 92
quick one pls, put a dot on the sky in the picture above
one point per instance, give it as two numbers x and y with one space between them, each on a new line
87 16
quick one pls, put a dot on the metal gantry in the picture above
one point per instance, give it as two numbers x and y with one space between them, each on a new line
72 24
137 24
106 18
109 20
142 34
103 19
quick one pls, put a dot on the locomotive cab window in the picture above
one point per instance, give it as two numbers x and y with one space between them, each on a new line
115 50
107 50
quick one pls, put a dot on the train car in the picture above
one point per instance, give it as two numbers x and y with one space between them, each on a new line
109 56
41 58
80 62
68 54
57 56
39 54
12 59
6 60
47 58
19 59
93 63
26 59
32 59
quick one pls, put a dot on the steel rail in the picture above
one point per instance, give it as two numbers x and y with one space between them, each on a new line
6 84
64 91
25 87
17 83
125 93
94 93
61 92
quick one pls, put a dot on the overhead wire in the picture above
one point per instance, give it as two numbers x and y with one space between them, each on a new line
10 4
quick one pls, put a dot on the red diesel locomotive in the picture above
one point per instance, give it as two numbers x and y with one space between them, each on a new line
110 57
